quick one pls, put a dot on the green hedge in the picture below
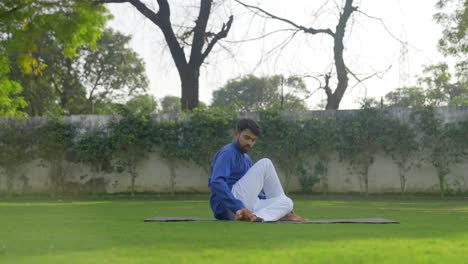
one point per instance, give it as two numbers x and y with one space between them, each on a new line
300 147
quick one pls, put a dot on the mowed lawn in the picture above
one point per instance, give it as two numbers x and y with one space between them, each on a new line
107 230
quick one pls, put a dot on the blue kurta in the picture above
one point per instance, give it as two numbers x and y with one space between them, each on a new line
228 165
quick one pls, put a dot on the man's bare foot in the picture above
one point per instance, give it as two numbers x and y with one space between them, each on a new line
291 216
244 214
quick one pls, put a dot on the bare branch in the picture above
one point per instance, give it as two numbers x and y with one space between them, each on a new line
221 34
386 29
367 77
305 29
327 89
260 37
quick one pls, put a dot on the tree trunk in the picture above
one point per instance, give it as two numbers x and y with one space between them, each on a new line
133 175
190 87
334 99
366 179
10 175
325 176
402 180
441 186
173 176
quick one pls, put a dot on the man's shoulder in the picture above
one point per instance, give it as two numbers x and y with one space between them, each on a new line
228 148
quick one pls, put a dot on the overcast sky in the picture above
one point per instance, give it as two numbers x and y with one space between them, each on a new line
371 47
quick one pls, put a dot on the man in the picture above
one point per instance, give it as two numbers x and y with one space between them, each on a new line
242 191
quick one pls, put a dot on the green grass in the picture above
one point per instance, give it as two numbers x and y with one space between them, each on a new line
108 230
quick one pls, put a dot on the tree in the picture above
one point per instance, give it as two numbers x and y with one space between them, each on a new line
399 142
55 145
439 87
86 83
251 93
168 140
131 138
11 103
170 104
142 104
359 140
283 140
95 150
412 96
112 71
333 97
443 145
320 142
16 148
208 130
70 24
202 43
452 15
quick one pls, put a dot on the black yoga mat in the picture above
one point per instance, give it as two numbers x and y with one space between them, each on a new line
311 221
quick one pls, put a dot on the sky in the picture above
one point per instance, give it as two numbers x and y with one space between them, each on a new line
373 45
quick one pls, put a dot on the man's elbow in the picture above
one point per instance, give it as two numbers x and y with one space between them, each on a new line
217 185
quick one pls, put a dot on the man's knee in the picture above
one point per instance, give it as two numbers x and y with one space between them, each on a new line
265 161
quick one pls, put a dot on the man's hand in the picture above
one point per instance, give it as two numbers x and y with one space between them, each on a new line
245 214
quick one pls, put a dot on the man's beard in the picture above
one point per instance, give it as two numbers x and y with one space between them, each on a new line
243 149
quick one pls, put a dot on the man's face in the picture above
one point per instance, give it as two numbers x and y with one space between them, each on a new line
245 139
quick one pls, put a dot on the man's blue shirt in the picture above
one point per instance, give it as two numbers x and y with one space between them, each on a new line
228 165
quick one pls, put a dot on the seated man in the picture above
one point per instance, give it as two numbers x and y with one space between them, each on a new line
236 185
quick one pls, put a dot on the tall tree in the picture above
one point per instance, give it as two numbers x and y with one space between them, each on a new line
202 43
333 97
112 71
86 83
251 93
24 22
452 15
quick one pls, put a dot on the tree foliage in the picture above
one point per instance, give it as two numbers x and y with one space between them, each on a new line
142 104
24 24
413 96
252 94
112 71
171 104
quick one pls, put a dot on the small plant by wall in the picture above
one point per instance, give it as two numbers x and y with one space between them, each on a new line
55 147
16 148
95 149
399 142
130 136
443 144
360 138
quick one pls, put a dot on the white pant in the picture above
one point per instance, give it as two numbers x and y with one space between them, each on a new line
262 176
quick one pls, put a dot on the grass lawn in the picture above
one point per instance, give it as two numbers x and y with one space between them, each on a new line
111 230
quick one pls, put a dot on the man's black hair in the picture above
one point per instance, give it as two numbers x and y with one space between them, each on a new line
245 123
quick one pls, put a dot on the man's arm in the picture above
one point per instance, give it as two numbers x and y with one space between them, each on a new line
220 171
